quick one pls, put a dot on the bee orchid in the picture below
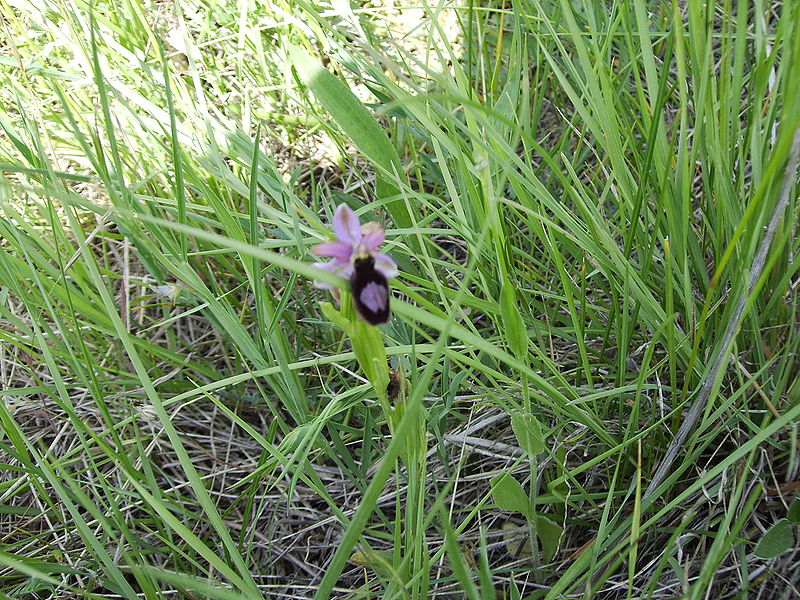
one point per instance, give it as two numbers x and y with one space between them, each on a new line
356 258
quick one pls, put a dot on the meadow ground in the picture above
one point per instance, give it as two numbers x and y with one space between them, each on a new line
589 384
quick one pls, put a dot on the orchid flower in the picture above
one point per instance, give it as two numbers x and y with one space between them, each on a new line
352 240
356 258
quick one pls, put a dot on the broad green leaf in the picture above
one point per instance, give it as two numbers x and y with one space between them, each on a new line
358 124
794 511
370 351
776 540
509 495
549 534
366 339
516 333
335 316
529 433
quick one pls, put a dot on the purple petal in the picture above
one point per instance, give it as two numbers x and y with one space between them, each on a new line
342 269
346 225
385 265
346 271
336 249
375 296
373 235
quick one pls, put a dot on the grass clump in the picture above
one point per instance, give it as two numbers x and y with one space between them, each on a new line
594 213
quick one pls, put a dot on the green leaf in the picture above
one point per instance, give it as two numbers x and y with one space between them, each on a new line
334 316
549 533
358 124
5 189
794 511
529 433
370 351
516 333
509 495
366 339
776 540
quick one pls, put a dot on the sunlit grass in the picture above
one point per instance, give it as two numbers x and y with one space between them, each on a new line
576 199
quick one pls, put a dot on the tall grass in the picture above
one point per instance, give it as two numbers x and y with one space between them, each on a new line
594 209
